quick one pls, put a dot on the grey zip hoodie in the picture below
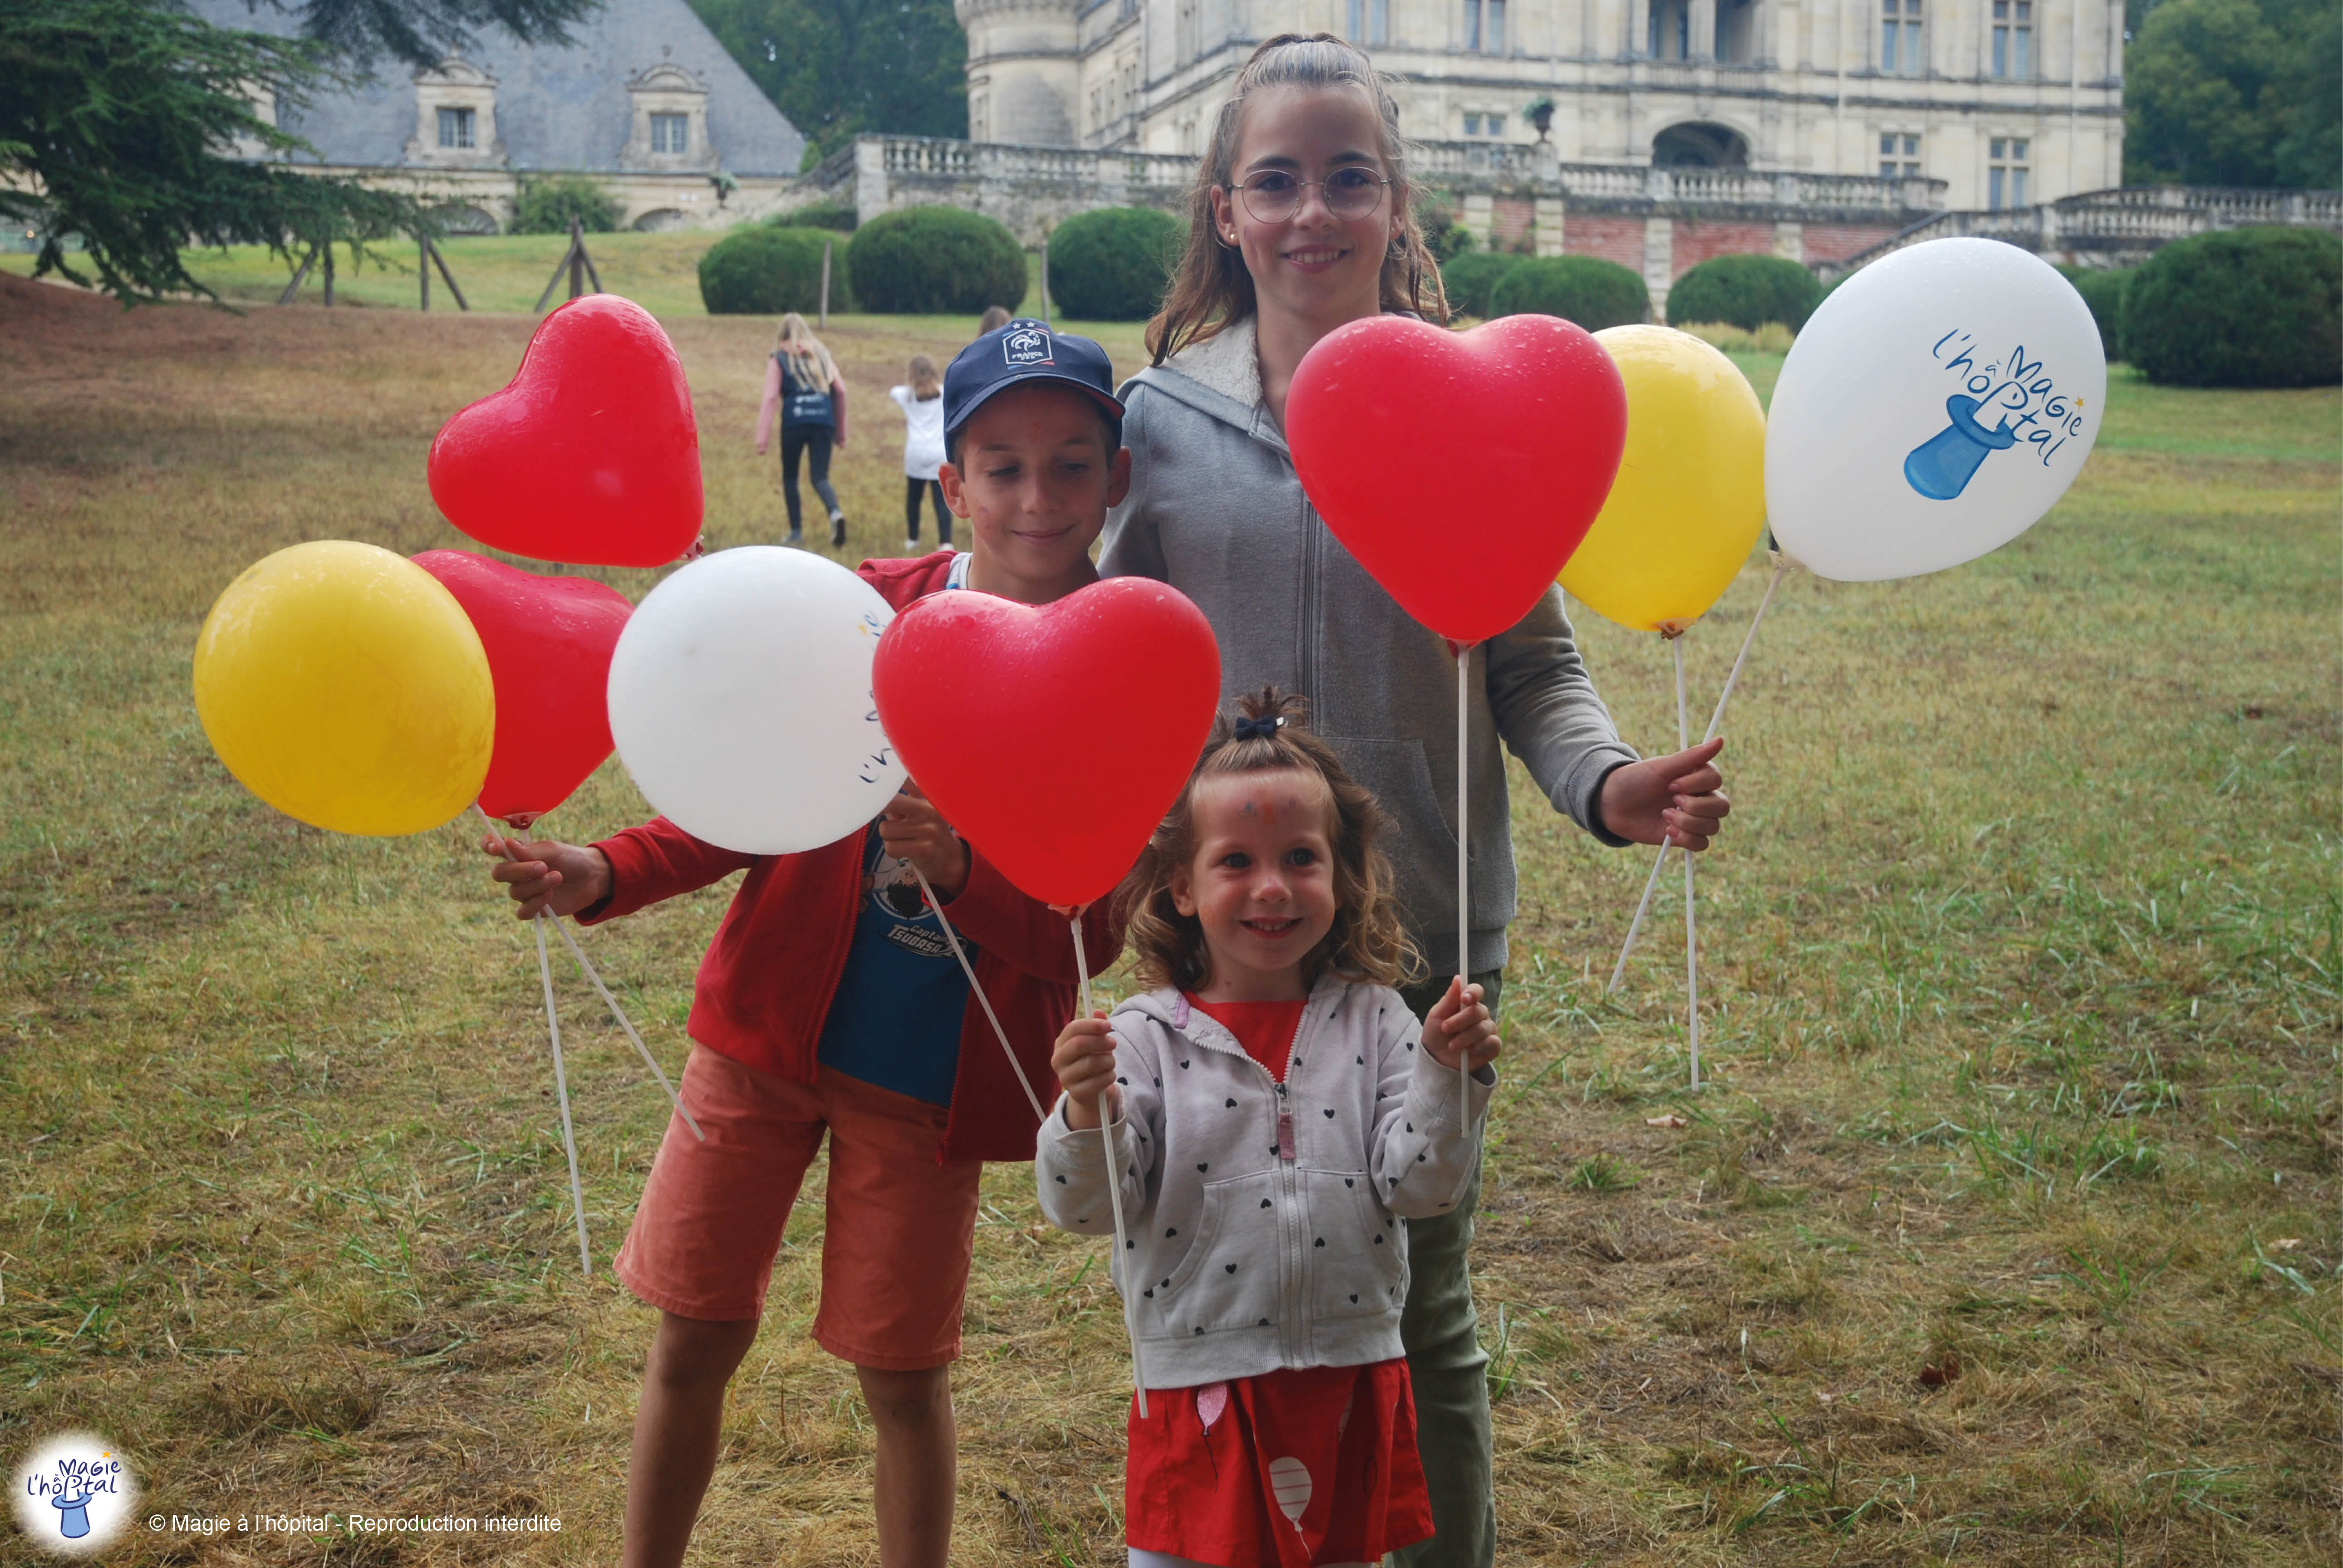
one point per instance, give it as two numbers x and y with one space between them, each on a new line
1216 511
1264 1218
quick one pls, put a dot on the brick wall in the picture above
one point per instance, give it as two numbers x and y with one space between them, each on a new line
1511 218
1619 239
1695 242
1837 242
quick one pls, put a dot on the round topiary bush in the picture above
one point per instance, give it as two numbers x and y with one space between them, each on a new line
1470 278
761 271
1585 289
1745 291
2246 307
1110 264
2102 290
936 261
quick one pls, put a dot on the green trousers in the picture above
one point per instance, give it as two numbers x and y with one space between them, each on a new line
1445 1362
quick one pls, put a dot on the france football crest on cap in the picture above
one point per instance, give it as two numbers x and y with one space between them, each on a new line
1027 343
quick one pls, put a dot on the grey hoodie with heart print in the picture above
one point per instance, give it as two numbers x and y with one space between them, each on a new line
1264 1217
1215 510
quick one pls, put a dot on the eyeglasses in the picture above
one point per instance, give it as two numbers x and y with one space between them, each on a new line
1274 195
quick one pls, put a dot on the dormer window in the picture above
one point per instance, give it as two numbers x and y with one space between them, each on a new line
455 117
670 121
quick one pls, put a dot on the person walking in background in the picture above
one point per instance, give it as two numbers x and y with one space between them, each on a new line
802 382
994 318
1300 223
922 403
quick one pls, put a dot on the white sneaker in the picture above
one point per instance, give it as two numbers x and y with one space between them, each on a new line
911 547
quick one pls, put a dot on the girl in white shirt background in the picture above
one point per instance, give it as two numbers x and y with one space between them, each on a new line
922 403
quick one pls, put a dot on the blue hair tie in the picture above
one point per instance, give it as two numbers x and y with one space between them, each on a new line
1257 729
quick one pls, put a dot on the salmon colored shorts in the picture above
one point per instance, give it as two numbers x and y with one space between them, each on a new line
898 1229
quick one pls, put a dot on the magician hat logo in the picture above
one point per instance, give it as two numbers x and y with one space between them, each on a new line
75 1492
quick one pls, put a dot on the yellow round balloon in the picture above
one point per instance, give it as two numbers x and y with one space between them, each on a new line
343 685
1690 499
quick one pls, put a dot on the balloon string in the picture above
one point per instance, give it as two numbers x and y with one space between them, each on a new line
561 1085
1715 722
1692 944
1463 908
1113 1178
587 965
969 971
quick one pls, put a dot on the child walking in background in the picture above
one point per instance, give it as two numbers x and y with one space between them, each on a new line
1275 1120
802 383
829 1005
1300 221
922 403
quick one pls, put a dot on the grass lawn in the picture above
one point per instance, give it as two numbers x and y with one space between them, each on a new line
2006 1233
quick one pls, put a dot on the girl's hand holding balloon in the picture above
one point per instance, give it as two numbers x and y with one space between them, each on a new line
1676 800
1084 1063
547 875
914 831
1460 1026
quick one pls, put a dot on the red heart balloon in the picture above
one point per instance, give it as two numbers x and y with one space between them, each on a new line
1052 739
1459 468
548 641
590 455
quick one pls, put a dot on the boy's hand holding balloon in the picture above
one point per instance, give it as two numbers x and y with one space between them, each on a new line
1459 1029
561 877
1677 798
914 831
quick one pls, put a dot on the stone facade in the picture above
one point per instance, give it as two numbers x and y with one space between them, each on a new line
2008 103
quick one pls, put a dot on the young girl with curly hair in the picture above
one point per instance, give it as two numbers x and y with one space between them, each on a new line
1278 1110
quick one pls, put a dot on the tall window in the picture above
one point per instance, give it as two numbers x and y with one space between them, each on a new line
670 133
2006 173
1670 30
1368 22
456 128
1901 52
2013 39
1484 26
1893 145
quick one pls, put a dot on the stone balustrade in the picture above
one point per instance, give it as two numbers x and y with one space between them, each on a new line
2118 227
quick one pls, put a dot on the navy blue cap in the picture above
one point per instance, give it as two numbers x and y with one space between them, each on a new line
1019 355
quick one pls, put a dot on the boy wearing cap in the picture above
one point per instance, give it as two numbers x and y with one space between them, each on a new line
830 1002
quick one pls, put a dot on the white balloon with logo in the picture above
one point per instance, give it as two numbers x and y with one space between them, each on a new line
741 701
1938 403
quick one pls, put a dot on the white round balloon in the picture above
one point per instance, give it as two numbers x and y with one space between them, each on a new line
741 701
1936 405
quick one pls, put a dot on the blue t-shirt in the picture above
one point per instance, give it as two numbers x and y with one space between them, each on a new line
895 1020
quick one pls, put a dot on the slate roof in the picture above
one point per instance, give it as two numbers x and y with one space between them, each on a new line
557 108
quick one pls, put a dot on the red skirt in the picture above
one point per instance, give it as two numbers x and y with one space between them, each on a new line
1282 1470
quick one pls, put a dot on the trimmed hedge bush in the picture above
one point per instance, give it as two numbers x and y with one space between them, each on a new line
839 216
761 271
2244 307
1470 278
1745 291
1110 264
546 206
2102 290
936 261
1594 293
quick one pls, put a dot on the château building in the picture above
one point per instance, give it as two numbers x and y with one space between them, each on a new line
2008 102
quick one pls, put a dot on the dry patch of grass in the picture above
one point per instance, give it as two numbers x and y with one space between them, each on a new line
2006 1234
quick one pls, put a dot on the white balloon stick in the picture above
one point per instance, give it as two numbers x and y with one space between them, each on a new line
969 971
585 966
1464 920
1114 1175
1692 942
1715 723
561 1086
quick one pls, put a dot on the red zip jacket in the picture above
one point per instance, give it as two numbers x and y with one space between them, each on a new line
764 987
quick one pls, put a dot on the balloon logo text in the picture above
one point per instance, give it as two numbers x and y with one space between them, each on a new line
2019 395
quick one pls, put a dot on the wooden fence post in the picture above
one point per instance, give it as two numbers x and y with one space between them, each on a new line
825 285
